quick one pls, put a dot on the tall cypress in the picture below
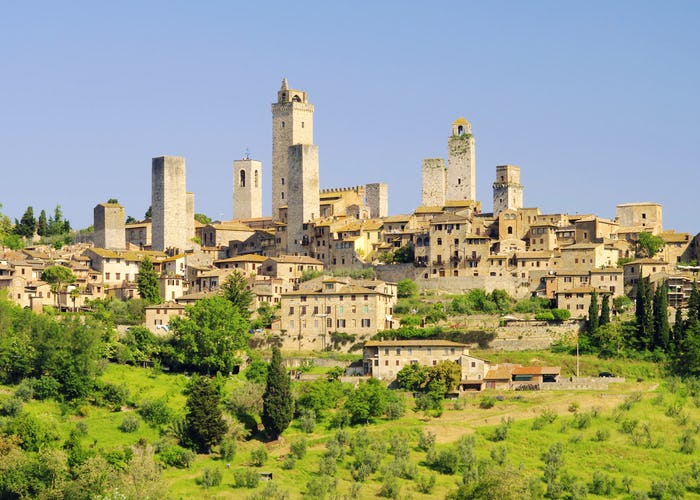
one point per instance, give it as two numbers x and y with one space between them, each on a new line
644 314
661 326
278 404
147 280
605 310
677 332
593 319
204 422
693 305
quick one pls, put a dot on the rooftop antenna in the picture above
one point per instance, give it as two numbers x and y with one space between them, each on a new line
247 154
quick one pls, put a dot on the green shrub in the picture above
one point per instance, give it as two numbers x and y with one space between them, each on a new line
258 456
130 423
11 407
426 440
298 448
155 412
227 449
176 456
246 478
210 478
487 402
25 390
425 484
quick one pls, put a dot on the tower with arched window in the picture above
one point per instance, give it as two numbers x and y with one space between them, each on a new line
292 124
461 162
247 189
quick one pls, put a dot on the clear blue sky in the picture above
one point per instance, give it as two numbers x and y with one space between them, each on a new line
596 101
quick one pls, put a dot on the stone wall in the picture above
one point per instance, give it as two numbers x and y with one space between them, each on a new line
434 182
524 335
169 203
377 199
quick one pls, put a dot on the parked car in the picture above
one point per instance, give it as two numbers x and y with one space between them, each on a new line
606 374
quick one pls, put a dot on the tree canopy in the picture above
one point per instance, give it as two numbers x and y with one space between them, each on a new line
235 290
648 244
210 337
148 282
204 423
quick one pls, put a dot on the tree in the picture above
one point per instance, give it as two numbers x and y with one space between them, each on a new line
147 280
113 201
42 226
235 290
648 244
687 361
412 377
202 219
74 294
693 305
149 212
367 401
57 277
593 319
278 403
605 310
644 314
27 224
210 336
662 330
204 422
130 219
57 225
447 373
404 254
406 288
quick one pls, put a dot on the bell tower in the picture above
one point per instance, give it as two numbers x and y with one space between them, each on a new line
461 162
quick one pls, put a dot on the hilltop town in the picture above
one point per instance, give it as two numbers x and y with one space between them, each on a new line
448 244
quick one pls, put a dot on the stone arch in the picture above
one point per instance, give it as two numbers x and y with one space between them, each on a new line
296 98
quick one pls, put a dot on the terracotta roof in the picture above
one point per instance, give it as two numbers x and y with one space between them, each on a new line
537 370
251 257
295 259
500 373
397 218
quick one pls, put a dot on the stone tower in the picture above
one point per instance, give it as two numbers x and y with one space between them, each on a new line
109 226
304 200
292 123
247 188
434 179
507 190
377 199
461 162
169 202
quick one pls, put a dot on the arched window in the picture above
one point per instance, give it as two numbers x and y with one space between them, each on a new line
242 178
296 98
460 130
256 179
510 229
439 241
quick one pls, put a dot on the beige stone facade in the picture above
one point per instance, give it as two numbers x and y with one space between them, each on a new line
247 188
169 204
109 226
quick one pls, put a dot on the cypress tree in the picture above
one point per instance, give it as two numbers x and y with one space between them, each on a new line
678 327
593 313
605 310
278 404
42 226
148 282
644 313
661 326
27 225
693 305
204 423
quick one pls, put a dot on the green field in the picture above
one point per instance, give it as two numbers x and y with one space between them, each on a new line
639 435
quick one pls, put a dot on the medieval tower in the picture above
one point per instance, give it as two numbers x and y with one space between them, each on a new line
247 188
377 199
172 207
303 204
461 162
507 190
292 123
433 185
109 226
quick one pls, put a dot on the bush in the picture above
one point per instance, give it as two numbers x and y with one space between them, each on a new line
246 478
46 387
155 412
11 407
307 420
115 395
446 461
258 456
391 488
227 449
544 316
487 402
426 440
24 390
425 484
130 423
210 478
298 448
176 456
561 314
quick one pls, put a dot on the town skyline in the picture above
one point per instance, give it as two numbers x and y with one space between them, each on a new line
91 101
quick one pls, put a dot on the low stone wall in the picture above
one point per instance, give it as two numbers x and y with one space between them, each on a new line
582 383
524 335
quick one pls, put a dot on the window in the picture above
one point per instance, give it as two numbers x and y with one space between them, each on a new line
291 310
341 323
398 362
341 309
386 351
242 179
398 351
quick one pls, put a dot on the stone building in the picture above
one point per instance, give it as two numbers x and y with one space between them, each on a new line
461 162
247 188
303 204
507 190
377 198
644 216
109 226
173 216
292 123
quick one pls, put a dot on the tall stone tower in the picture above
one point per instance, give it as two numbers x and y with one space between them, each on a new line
434 179
169 204
461 162
507 190
109 226
304 200
292 123
377 198
247 188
